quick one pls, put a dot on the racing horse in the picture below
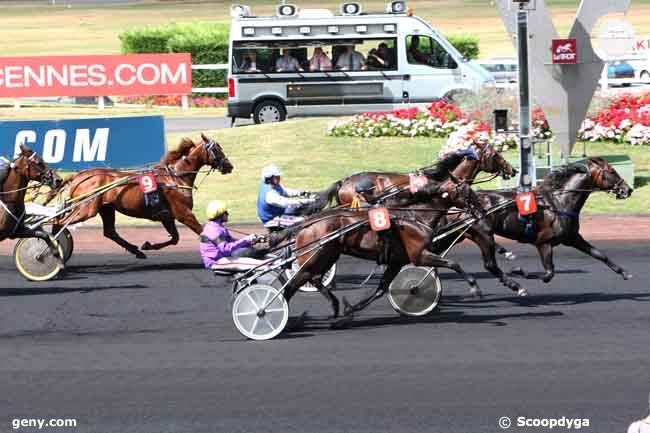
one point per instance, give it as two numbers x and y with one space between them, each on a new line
560 198
175 176
406 241
28 166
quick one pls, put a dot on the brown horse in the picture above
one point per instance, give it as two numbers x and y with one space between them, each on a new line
560 198
175 176
407 241
27 167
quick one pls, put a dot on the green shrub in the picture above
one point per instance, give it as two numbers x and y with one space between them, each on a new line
206 42
466 44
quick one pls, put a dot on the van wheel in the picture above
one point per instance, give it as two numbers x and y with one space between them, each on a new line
269 112
645 76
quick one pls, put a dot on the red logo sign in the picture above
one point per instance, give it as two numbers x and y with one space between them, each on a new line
564 51
147 182
136 74
379 219
526 203
416 183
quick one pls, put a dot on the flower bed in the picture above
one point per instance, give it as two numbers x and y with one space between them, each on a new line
174 101
626 120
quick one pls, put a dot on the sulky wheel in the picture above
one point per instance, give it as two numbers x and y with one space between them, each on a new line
35 260
251 317
415 291
328 277
67 244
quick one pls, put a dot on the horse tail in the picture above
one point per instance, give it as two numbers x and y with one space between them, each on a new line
53 193
329 196
275 238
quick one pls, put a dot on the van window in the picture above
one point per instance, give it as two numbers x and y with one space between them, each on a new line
424 50
313 56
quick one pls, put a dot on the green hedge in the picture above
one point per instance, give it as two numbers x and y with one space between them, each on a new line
466 44
207 42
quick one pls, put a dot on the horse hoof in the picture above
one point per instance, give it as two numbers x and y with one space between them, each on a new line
347 308
140 255
626 276
475 292
509 255
341 323
517 271
146 246
522 292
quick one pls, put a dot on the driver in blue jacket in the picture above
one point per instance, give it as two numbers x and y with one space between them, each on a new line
276 205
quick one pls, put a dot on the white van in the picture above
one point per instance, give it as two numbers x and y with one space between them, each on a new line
372 62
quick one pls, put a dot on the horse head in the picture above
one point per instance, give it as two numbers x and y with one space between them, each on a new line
29 165
491 161
605 178
215 157
459 193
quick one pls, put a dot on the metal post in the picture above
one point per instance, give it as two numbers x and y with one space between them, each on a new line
185 102
100 102
16 104
527 159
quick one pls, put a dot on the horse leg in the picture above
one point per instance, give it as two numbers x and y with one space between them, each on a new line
389 275
170 226
43 235
327 293
428 259
546 254
581 244
487 245
509 255
185 216
108 219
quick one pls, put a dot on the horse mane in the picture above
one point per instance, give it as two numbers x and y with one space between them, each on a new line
559 177
440 170
182 150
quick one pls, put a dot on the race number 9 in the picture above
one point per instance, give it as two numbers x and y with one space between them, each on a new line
379 219
416 183
147 182
526 203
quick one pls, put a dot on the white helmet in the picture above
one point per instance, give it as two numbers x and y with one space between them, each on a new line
270 171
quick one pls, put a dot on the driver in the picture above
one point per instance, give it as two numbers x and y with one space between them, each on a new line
219 250
277 206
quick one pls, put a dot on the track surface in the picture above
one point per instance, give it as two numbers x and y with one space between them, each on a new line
149 347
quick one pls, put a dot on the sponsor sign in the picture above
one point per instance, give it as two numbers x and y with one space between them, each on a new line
379 219
77 144
526 203
564 51
642 45
136 74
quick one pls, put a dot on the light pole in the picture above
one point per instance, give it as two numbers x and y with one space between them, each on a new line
527 161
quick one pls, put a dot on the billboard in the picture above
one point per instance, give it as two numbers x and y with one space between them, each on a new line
112 75
77 144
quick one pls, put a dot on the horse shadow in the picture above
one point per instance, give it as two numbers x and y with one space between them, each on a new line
49 290
122 269
641 181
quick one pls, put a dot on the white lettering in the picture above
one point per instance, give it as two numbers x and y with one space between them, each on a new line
87 151
78 75
23 137
37 78
118 74
96 75
13 73
54 146
141 74
172 78
41 422
61 77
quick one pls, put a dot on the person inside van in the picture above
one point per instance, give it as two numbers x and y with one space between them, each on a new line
351 60
379 58
250 64
287 63
415 55
320 61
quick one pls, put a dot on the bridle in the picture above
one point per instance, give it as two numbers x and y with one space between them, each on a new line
46 175
219 160
617 188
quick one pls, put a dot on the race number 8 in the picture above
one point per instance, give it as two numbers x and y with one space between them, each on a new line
526 203
379 219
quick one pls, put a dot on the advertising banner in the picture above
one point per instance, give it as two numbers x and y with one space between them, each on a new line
77 144
114 75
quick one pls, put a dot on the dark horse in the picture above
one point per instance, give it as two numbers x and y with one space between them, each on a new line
27 167
407 241
175 176
561 196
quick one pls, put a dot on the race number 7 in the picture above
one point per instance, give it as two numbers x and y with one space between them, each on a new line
526 203
147 182
379 219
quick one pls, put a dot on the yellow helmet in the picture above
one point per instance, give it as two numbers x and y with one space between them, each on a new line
215 209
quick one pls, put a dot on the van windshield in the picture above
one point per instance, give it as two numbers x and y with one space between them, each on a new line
314 56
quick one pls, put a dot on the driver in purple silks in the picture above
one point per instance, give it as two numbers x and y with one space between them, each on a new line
219 250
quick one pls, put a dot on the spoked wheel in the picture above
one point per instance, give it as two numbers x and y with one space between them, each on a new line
67 244
251 317
35 260
413 292
328 277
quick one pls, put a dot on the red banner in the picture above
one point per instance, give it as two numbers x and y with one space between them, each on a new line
136 74
564 51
